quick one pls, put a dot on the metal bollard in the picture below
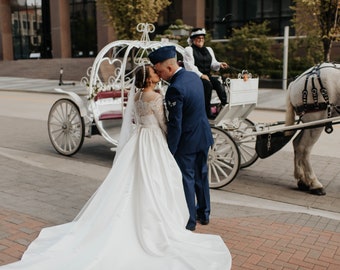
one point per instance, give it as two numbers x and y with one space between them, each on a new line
61 78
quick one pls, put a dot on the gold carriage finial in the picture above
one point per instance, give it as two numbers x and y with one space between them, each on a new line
145 28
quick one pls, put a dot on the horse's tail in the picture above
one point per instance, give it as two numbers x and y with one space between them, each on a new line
290 113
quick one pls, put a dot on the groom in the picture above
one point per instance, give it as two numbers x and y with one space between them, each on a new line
189 134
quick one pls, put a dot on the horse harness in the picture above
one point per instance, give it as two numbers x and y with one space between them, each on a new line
316 105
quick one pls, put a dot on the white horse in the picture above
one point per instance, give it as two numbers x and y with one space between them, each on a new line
314 95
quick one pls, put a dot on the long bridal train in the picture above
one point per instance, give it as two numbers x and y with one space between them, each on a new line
135 220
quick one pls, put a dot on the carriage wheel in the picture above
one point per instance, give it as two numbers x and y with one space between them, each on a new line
247 144
223 159
66 127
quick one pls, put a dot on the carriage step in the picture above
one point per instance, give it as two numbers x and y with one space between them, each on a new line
111 115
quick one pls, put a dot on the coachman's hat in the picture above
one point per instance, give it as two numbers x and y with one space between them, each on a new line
197 32
162 54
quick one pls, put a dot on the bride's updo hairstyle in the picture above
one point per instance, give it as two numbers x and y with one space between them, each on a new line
142 73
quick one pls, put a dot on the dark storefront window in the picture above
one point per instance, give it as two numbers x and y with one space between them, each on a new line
223 15
83 28
27 29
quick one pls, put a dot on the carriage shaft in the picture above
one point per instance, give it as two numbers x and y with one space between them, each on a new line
313 124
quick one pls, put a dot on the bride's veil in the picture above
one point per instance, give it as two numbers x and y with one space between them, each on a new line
126 132
127 125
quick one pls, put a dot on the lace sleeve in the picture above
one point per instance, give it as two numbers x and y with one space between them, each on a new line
158 110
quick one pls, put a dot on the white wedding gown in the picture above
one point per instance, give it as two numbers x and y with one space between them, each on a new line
135 220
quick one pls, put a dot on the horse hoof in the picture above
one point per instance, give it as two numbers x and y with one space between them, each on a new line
302 186
318 191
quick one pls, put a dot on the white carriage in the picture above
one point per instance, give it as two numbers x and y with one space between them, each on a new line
101 111
108 83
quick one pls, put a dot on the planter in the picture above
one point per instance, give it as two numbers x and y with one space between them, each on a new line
272 83
180 32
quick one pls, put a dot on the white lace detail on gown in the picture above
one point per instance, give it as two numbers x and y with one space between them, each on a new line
149 110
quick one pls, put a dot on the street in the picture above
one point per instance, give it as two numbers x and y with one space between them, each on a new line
39 188
24 139
24 127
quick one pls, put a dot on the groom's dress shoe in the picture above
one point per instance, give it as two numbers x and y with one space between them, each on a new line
191 228
203 221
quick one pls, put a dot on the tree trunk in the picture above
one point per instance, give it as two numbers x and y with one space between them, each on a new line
327 44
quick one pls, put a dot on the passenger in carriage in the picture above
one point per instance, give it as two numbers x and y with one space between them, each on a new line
201 60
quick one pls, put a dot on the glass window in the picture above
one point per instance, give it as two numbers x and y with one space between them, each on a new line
26 39
240 12
83 28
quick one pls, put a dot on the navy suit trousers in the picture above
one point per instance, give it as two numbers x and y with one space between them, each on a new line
196 184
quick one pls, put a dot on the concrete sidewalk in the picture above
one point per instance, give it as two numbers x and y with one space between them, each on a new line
260 233
270 99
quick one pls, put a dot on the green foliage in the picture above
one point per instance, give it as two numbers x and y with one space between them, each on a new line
125 15
320 19
179 22
304 53
250 49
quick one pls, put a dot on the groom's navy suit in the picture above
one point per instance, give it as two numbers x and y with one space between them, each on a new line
189 139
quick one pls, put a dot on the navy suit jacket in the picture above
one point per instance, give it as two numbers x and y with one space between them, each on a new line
188 127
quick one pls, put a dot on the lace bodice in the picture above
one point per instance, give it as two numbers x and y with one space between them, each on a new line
149 110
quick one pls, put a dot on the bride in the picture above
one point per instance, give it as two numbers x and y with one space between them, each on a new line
137 217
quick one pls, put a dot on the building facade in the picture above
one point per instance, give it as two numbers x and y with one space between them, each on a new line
46 29
77 28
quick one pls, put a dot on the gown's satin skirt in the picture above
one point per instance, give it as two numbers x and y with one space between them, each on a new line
135 220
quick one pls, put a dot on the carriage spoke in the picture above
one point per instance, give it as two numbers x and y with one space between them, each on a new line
219 167
223 159
227 165
246 144
246 152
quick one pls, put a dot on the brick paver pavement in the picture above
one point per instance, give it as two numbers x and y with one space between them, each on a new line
276 241
17 231
280 241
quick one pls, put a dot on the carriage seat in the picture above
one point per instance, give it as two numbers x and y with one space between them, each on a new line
105 109
110 94
111 115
